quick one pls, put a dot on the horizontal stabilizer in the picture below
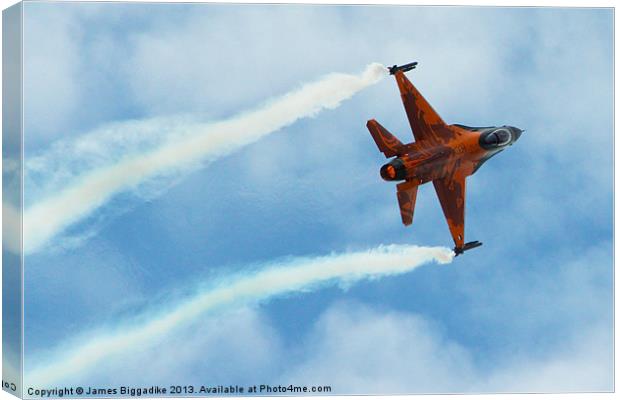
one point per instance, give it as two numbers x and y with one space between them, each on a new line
407 193
387 143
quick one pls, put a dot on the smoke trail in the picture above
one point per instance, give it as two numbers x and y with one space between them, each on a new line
301 274
86 192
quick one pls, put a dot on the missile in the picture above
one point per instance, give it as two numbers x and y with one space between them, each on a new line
407 67
468 246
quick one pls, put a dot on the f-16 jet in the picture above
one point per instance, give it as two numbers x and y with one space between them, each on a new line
443 154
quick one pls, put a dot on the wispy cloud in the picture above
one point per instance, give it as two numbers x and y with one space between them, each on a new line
303 274
412 353
186 145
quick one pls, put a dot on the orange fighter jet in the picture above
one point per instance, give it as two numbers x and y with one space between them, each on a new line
444 154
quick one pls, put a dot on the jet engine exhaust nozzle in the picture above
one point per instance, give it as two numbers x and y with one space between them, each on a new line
393 171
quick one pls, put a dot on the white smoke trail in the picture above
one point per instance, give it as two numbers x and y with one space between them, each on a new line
277 279
86 192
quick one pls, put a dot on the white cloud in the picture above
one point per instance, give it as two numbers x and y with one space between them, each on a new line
167 65
511 67
359 349
80 354
230 348
356 349
84 192
584 363
192 66
52 93
266 51
459 56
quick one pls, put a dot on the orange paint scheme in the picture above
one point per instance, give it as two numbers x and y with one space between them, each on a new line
443 154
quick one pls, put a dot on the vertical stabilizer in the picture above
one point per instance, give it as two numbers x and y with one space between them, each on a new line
387 143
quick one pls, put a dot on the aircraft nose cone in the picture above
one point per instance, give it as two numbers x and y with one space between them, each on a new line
516 132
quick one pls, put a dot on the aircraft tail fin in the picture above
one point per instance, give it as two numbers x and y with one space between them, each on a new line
406 193
387 143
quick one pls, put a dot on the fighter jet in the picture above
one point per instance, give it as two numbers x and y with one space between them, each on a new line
443 154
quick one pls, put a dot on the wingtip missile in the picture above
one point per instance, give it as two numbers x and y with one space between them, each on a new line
407 67
468 246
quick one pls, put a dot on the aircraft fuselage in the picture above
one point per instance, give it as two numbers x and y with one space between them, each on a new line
470 148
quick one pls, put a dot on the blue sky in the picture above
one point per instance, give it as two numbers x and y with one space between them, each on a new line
536 297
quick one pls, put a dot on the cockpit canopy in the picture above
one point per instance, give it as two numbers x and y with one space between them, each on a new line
495 138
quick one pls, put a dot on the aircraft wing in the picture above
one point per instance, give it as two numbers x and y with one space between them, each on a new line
451 194
425 123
